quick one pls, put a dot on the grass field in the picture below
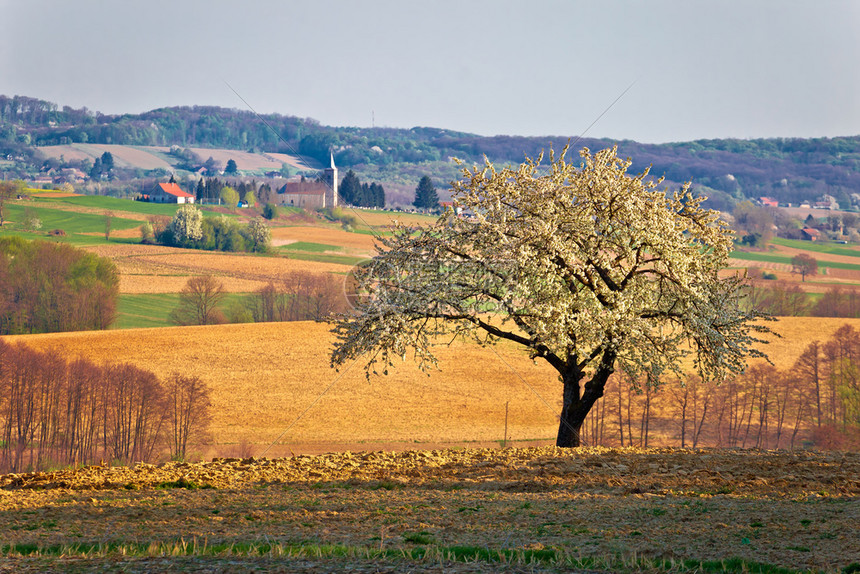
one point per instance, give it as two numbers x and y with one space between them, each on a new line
80 228
786 260
148 310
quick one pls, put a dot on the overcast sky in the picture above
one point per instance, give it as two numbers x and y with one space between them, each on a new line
698 69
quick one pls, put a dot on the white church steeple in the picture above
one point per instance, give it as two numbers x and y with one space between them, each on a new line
331 183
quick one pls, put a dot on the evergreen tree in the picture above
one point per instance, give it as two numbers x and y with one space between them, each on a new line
97 168
266 195
107 161
349 188
377 195
425 195
200 193
231 166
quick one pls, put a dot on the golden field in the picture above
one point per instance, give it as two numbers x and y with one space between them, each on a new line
159 269
352 242
267 376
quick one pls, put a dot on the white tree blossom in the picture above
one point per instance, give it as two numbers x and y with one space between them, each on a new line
260 233
587 267
187 224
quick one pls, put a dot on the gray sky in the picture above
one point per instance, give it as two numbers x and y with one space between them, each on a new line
702 69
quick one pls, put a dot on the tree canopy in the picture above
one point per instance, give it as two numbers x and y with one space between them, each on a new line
49 287
587 267
804 264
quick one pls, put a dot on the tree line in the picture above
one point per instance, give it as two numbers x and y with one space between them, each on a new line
788 299
815 402
55 411
190 229
297 296
353 192
49 287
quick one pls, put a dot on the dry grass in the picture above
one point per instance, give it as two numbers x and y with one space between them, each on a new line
293 161
246 160
267 375
124 156
796 333
382 219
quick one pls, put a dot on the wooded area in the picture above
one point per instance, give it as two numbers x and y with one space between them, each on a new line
55 411
48 287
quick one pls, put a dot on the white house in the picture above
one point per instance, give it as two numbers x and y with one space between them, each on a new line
170 193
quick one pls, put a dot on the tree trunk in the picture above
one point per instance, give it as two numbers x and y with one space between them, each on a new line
577 404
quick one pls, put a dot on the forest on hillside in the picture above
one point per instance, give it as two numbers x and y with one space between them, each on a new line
727 170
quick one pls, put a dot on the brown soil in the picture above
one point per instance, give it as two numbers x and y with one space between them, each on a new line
794 510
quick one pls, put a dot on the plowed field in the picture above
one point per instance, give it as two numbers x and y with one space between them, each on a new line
157 269
480 510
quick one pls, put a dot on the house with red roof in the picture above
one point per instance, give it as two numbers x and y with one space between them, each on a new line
810 234
169 193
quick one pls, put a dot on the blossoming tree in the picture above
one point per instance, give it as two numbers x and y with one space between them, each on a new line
587 267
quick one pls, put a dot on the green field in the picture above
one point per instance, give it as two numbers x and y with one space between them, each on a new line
815 247
80 228
319 257
116 204
138 311
771 258
312 247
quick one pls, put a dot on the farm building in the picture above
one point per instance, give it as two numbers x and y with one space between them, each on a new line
311 194
170 193
810 234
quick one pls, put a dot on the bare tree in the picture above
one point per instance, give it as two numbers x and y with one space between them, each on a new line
199 302
189 405
108 223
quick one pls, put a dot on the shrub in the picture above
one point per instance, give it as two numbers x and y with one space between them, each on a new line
270 211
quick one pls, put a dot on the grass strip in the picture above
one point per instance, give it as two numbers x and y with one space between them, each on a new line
321 257
816 247
144 310
548 557
312 247
767 257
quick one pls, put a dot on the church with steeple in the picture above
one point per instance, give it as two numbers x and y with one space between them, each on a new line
309 194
